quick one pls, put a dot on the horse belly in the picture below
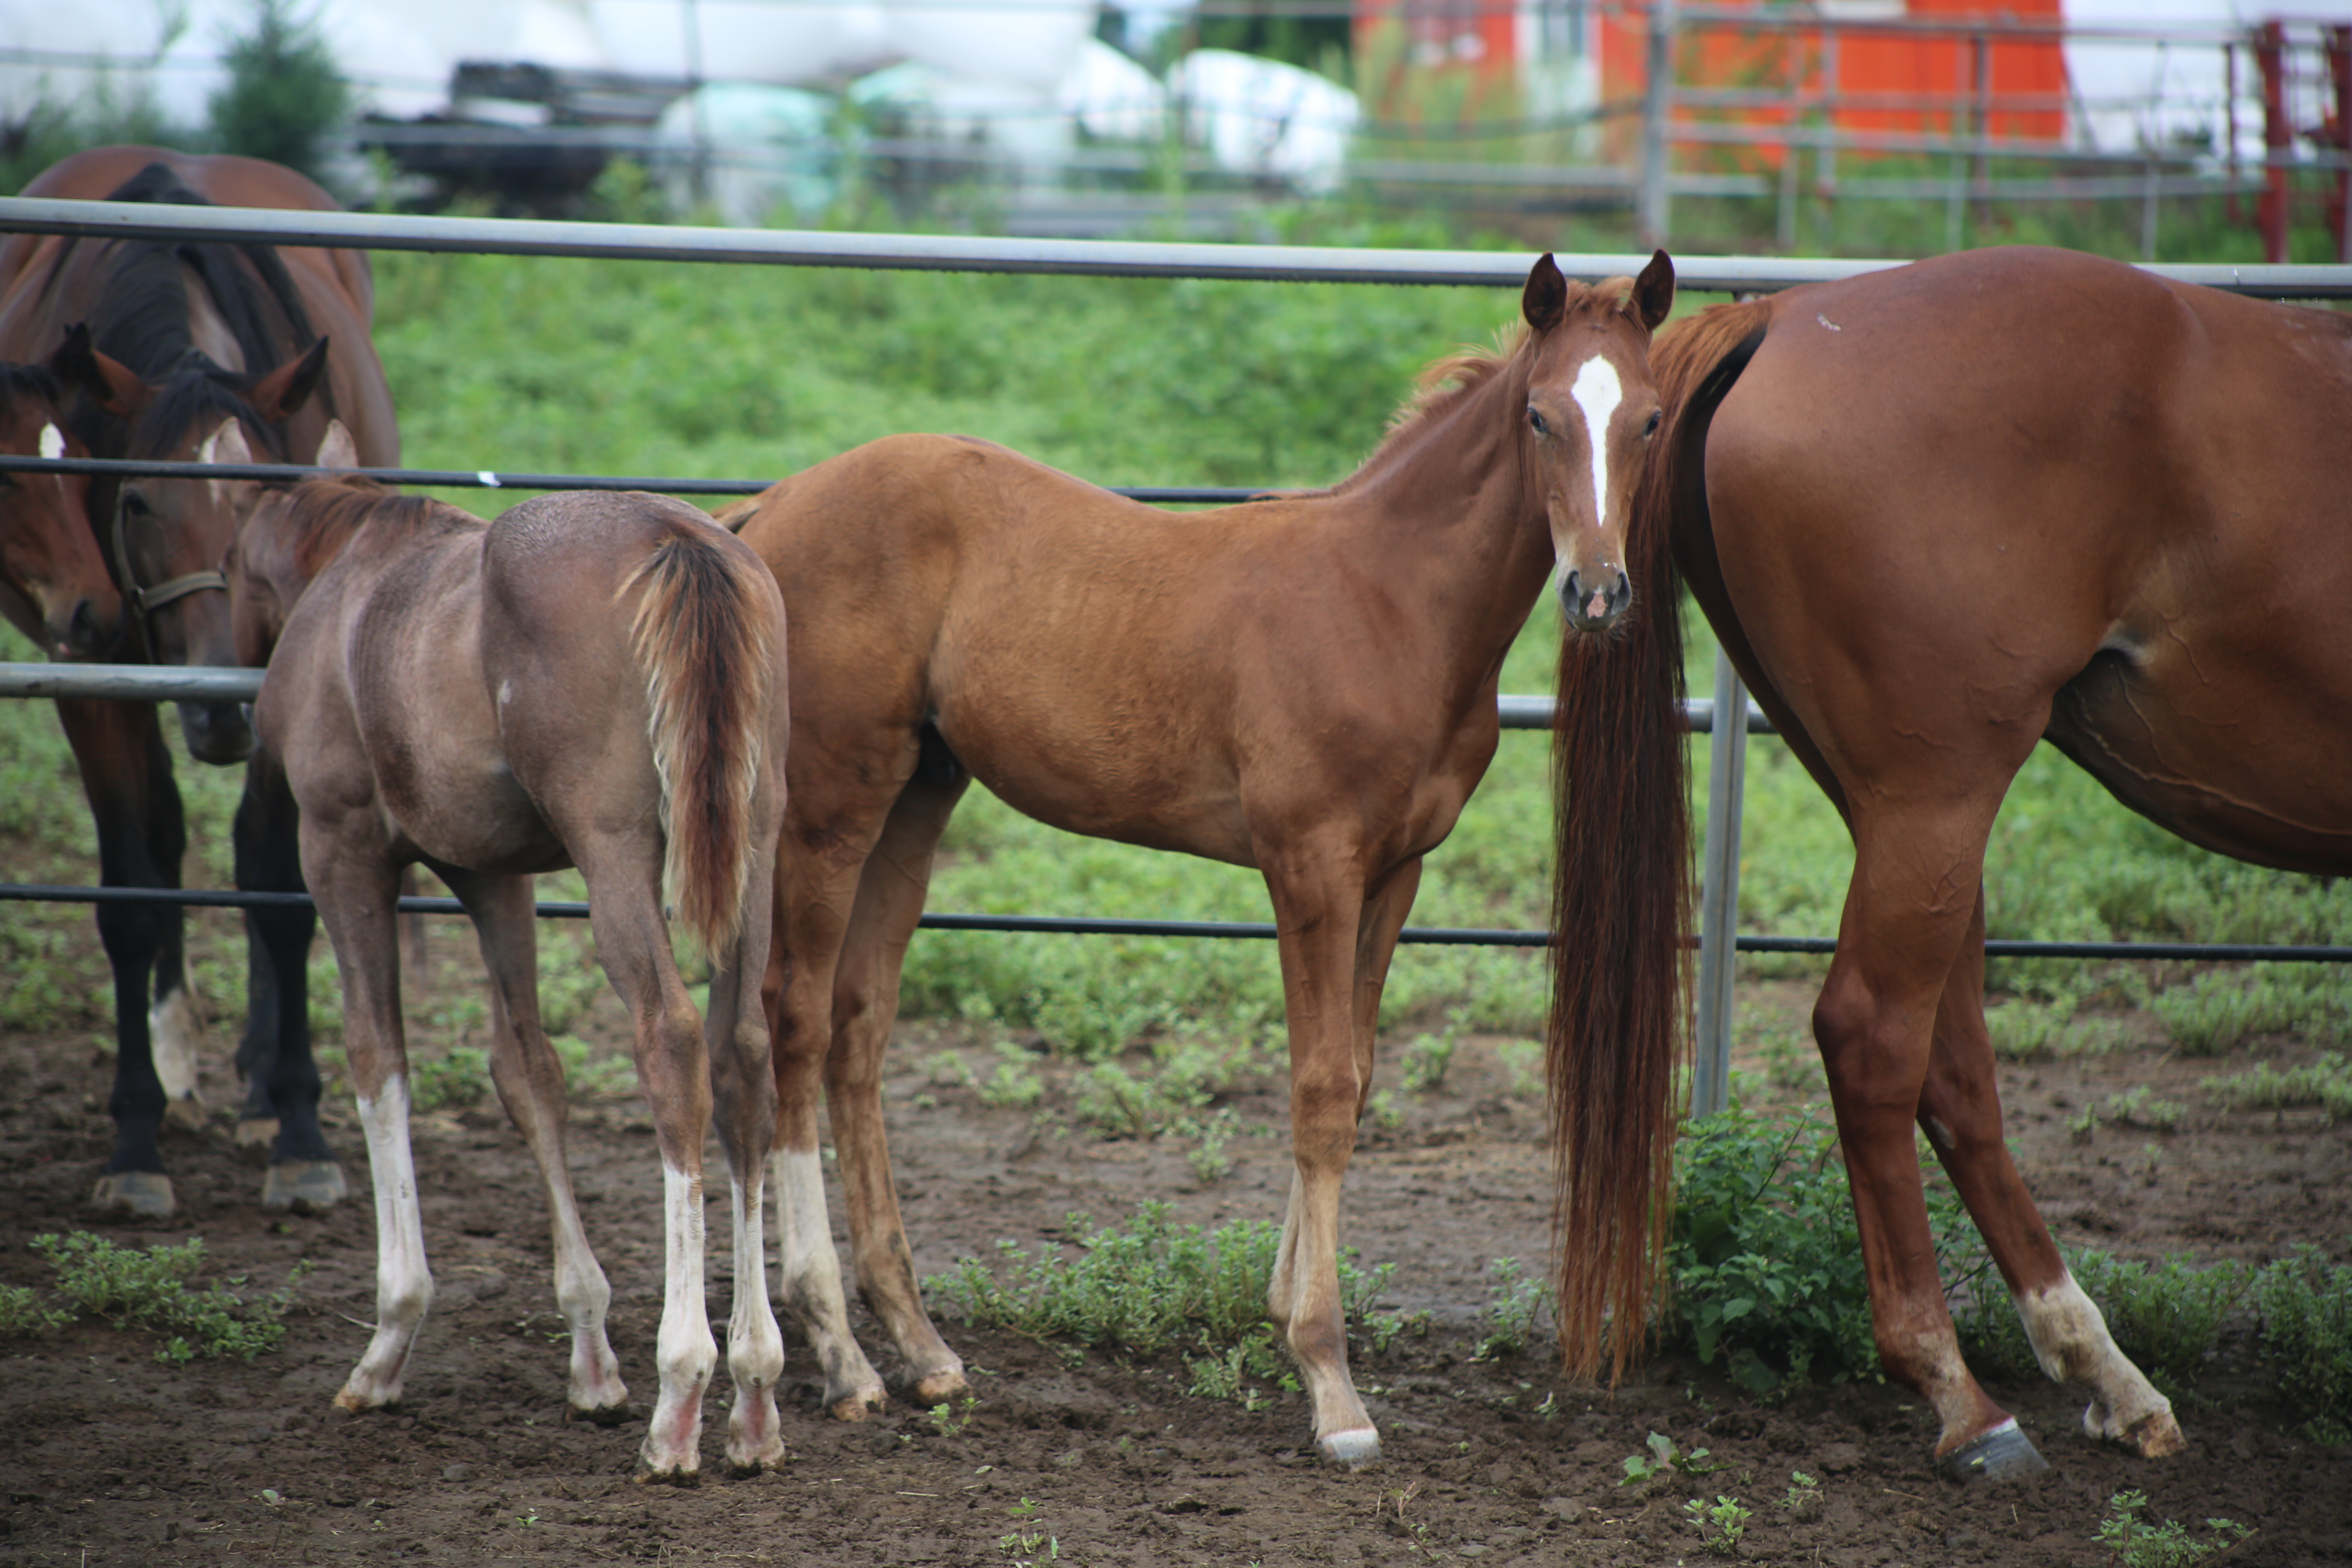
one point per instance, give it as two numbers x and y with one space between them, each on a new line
2260 777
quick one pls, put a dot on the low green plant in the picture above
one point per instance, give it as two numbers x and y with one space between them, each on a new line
2326 1082
1427 1057
23 1315
1661 1456
1720 1523
2139 1107
1209 1160
2306 1307
1804 1496
1514 1302
1765 1257
949 1420
457 1079
1115 1101
2133 1542
1015 1084
150 1289
2220 1009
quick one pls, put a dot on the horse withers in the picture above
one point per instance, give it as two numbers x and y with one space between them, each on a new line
591 679
214 353
1937 514
54 585
1305 684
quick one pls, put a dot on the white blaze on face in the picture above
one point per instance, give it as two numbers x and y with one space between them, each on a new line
53 442
1597 393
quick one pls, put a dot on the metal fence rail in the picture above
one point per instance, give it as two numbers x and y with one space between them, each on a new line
972 253
1717 939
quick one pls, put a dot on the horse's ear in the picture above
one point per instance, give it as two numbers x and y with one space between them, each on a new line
1545 301
225 444
276 396
107 382
1653 290
336 448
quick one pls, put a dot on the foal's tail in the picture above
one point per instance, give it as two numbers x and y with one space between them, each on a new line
708 635
1621 895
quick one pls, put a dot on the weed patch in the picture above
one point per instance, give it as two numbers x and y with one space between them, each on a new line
152 1290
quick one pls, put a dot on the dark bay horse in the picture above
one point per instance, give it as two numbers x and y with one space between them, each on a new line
1304 684
593 680
195 352
1937 514
54 585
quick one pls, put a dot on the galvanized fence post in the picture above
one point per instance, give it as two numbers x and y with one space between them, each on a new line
1719 914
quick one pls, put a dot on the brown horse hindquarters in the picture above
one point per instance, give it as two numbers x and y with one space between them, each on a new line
1951 508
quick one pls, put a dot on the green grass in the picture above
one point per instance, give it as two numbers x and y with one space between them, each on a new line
152 1291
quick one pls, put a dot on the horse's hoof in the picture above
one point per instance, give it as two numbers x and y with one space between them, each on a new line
188 1114
256 1137
652 1473
741 1465
2003 1453
600 1414
304 1185
859 1404
938 1387
1352 1450
2156 1436
144 1194
358 1400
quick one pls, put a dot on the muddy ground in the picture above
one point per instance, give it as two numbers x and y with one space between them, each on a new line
107 1457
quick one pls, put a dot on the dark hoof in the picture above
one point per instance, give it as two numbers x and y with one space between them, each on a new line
2003 1453
305 1185
603 1415
145 1194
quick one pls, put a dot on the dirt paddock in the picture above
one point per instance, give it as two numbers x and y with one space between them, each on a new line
107 1457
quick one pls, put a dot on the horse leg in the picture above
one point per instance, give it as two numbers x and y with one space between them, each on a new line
797 989
530 1080
632 943
889 907
126 777
282 1076
1318 920
1902 929
356 887
735 1030
1960 1109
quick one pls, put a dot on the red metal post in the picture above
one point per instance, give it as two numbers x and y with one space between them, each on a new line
2278 137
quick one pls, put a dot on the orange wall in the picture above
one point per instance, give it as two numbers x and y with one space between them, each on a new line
1917 81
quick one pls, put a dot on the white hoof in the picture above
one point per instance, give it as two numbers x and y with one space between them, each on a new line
1352 1450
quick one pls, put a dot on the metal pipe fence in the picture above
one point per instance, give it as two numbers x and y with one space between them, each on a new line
1717 939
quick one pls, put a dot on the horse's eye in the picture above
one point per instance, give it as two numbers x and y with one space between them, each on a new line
1536 423
135 503
1652 427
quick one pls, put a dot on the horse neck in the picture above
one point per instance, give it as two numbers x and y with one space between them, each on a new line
1449 510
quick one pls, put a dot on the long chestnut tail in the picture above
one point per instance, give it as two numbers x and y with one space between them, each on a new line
706 635
1621 904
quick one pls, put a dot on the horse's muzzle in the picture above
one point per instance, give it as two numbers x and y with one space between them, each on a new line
1595 609
217 732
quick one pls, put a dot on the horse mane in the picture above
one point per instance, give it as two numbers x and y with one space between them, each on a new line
329 511
1621 896
145 311
1445 381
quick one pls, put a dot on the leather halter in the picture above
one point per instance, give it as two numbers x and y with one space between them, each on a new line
145 602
